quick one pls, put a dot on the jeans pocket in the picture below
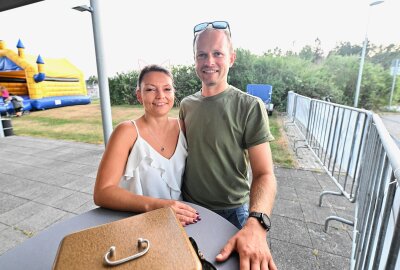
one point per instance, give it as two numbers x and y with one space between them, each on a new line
242 213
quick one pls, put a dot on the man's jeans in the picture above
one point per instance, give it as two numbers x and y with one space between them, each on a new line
236 216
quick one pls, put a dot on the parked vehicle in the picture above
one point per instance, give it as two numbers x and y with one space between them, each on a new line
264 92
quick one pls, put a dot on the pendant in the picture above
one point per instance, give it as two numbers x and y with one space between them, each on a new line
162 148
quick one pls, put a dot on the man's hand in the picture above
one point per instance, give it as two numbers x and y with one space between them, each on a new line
251 244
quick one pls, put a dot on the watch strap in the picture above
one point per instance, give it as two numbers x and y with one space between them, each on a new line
264 219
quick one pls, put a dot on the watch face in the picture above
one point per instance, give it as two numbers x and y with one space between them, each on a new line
266 220
262 218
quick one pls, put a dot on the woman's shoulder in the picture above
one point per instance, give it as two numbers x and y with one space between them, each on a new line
124 126
125 129
175 122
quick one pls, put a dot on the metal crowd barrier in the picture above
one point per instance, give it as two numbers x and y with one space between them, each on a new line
360 157
376 237
335 134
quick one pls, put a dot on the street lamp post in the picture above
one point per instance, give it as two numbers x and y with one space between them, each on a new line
364 50
395 72
101 72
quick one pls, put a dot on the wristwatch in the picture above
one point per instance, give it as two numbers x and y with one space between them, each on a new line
262 218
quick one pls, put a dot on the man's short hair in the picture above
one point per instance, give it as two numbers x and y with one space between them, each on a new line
227 34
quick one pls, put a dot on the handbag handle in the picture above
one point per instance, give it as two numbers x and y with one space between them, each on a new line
111 252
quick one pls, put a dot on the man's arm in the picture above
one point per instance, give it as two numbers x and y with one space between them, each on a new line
251 241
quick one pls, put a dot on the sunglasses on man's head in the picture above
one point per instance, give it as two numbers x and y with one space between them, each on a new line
216 25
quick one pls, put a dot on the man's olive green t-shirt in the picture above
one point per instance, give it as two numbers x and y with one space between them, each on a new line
219 129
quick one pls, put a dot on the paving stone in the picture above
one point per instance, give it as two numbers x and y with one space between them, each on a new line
21 213
57 178
290 230
339 203
307 183
91 158
303 174
64 218
58 165
15 185
27 189
89 189
53 194
10 238
332 262
89 205
335 241
8 166
73 201
9 202
286 181
326 182
315 214
16 150
80 183
3 227
85 170
5 180
289 256
288 208
288 193
28 172
41 220
282 172
33 191
307 195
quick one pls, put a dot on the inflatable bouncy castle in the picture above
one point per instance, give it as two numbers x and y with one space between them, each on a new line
43 83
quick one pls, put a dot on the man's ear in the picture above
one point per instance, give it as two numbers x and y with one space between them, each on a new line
232 59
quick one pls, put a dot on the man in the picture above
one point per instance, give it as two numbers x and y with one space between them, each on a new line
226 128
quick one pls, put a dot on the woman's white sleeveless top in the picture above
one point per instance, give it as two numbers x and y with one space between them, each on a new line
149 173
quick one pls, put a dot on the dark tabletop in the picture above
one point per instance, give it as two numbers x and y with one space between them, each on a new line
38 252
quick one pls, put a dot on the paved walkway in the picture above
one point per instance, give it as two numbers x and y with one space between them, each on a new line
44 181
392 124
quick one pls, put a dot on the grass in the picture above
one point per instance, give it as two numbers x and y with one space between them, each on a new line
279 147
82 123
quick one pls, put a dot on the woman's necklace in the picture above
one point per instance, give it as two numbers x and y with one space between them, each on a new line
155 138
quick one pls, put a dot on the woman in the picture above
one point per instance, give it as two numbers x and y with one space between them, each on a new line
143 163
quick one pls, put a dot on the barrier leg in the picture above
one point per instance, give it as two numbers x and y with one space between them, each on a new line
326 193
345 221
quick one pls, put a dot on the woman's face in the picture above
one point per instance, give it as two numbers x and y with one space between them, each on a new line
156 93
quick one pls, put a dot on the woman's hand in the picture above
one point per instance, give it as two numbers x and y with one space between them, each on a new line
185 213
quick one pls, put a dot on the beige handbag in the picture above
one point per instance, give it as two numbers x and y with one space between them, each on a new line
153 240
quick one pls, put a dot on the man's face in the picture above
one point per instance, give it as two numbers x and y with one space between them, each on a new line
213 58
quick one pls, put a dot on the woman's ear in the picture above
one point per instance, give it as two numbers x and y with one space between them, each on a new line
139 95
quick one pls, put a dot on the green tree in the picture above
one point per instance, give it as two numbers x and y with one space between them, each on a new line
385 55
122 88
346 49
92 80
186 82
242 72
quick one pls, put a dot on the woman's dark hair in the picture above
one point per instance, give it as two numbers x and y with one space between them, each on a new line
153 68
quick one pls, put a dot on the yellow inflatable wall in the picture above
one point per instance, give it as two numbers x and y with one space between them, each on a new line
60 77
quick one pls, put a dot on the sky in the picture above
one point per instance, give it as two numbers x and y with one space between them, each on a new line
136 33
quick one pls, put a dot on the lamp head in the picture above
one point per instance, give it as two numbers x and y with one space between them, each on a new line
83 8
376 2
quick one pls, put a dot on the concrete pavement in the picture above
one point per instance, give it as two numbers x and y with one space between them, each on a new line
45 181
